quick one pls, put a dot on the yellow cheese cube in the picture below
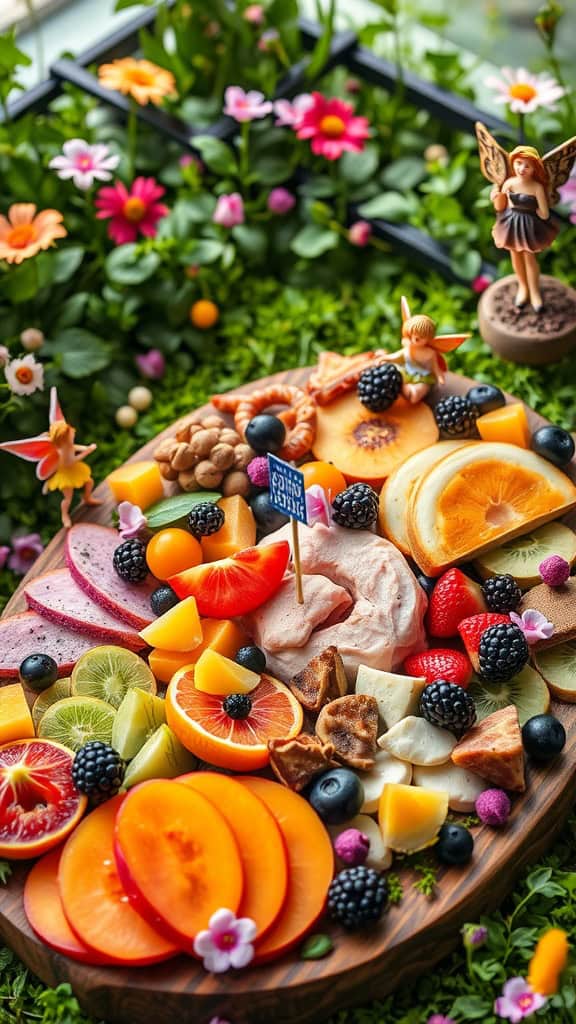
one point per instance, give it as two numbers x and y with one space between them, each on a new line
138 482
179 629
410 817
15 718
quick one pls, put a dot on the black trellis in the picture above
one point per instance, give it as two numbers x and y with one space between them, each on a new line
345 50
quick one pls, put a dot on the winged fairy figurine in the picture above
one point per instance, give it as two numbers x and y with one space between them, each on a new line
420 359
525 186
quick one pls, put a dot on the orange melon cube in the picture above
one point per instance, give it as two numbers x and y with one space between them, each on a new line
138 482
179 629
237 533
15 718
508 424
222 635
410 817
219 675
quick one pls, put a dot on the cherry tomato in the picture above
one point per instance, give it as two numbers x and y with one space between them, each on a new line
325 475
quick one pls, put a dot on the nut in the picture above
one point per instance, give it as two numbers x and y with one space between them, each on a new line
187 481
212 421
183 458
236 482
222 455
167 472
229 436
165 450
243 454
204 440
207 475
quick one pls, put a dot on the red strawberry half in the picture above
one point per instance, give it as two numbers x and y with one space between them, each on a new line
454 598
236 585
471 630
452 666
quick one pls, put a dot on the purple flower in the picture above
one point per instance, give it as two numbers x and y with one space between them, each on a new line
25 551
518 1001
229 210
317 507
533 624
568 196
4 552
474 935
227 942
131 520
281 201
151 364
359 233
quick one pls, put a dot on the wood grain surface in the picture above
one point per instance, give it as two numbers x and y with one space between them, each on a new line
410 940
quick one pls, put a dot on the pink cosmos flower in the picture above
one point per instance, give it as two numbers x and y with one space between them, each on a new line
525 92
131 212
481 283
151 364
317 508
333 129
229 210
289 113
245 106
518 1001
4 356
533 624
254 14
568 196
24 376
25 551
84 163
4 552
359 233
227 942
131 520
280 201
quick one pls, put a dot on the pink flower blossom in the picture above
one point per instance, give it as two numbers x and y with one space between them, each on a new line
440 1018
317 507
518 1001
525 92
474 935
333 128
289 113
84 163
280 201
131 212
533 624
268 40
4 552
227 942
254 14
4 356
359 233
131 520
25 551
189 160
229 210
481 283
151 364
245 106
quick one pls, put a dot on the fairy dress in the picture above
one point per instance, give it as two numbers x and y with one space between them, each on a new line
520 229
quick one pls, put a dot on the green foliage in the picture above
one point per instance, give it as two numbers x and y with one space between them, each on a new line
5 871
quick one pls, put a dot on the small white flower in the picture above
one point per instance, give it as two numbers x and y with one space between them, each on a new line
525 92
84 163
227 942
24 376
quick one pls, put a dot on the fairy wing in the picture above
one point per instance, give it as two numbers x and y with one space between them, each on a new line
404 309
559 163
38 449
55 407
494 162
449 342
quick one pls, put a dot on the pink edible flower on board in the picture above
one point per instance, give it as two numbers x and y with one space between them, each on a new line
131 520
289 113
84 163
245 106
25 551
533 624
333 128
518 1001
131 212
227 942
317 507
229 210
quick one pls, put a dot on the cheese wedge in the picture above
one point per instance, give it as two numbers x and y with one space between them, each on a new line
462 786
396 696
386 769
418 741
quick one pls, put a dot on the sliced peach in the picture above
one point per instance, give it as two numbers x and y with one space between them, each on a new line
222 635
237 533
179 629
219 675
508 424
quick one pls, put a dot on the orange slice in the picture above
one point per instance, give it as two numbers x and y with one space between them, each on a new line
202 725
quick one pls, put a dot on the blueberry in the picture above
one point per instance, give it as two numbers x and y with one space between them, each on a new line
554 444
38 671
265 433
268 518
163 599
485 398
426 582
543 737
336 796
455 844
251 657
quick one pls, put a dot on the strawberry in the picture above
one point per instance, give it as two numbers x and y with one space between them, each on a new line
471 630
442 663
454 598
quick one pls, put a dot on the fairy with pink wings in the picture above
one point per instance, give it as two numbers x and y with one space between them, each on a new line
60 460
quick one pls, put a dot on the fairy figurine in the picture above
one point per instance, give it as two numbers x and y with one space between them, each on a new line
420 359
525 186
60 460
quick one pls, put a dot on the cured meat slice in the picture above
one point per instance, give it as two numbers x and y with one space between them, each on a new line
28 633
56 596
89 553
493 749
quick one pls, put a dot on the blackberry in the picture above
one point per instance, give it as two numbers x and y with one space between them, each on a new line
379 386
357 896
130 561
501 593
502 653
163 599
251 657
356 507
98 771
456 416
205 518
237 705
448 706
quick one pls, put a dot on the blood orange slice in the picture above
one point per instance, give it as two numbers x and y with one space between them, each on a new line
203 726
39 803
236 585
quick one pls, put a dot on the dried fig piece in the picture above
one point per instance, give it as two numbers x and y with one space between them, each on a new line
351 724
295 762
322 680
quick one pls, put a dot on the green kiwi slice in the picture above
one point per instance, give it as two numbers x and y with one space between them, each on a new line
74 721
108 672
44 700
558 667
527 691
521 556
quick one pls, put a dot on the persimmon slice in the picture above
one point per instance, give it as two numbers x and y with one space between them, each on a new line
177 858
310 865
95 902
260 843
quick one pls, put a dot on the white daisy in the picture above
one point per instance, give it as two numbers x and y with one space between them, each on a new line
24 376
525 92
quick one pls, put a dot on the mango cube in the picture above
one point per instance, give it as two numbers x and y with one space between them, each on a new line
220 635
219 675
179 629
238 531
15 717
410 817
137 482
508 423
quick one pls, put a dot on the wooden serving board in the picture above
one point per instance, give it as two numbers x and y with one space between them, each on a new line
409 941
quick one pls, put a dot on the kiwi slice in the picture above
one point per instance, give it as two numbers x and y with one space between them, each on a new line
521 556
558 667
58 690
527 691
108 672
161 757
74 721
138 716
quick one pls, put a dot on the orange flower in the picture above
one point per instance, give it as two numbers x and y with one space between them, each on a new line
24 232
144 81
548 962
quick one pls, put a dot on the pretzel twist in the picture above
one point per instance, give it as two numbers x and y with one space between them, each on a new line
299 419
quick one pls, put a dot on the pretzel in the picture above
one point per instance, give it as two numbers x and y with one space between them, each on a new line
299 418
